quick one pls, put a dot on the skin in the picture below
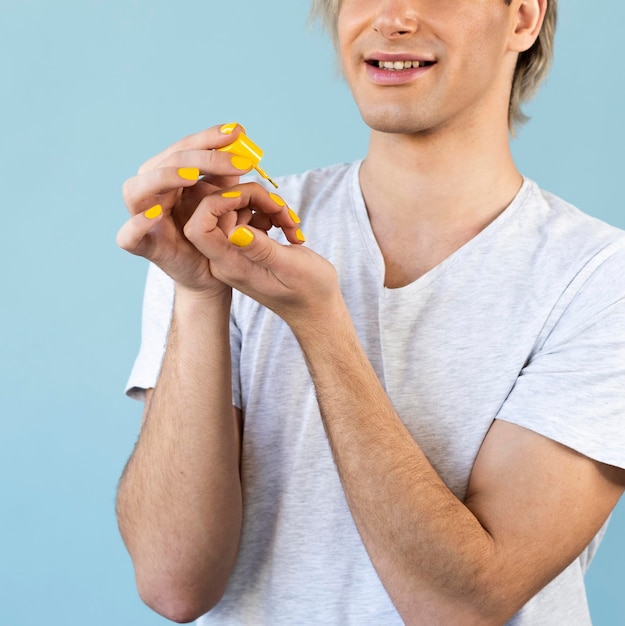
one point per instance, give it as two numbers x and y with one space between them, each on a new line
179 499
436 144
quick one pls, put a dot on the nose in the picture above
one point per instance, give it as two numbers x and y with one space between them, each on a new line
395 19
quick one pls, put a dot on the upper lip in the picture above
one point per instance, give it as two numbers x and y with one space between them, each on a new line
399 56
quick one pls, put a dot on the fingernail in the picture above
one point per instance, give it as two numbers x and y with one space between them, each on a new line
228 129
277 199
294 216
231 194
189 173
241 163
242 237
300 235
153 212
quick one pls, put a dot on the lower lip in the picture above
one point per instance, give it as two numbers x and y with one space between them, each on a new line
395 77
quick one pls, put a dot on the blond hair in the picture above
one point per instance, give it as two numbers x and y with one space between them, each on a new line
531 68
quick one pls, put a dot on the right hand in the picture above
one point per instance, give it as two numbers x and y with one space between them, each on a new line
161 239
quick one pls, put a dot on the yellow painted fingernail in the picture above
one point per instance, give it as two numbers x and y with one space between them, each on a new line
153 212
277 199
242 237
189 173
228 129
294 216
241 163
231 194
300 235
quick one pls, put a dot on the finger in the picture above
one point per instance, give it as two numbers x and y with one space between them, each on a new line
219 169
133 234
231 220
209 139
212 163
203 227
257 220
203 230
157 187
264 257
227 261
190 198
295 221
258 249
268 208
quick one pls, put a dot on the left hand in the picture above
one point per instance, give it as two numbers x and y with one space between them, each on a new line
291 280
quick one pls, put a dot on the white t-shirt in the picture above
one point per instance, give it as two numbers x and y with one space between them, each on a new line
524 323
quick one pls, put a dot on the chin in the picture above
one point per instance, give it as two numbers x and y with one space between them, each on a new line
392 122
398 115
391 127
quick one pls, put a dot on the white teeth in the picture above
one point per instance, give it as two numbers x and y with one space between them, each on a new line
397 65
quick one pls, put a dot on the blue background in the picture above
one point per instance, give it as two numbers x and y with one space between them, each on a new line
88 91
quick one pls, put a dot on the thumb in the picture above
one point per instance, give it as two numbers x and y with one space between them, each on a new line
256 245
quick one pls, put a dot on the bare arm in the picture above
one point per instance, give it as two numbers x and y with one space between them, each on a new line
179 500
527 514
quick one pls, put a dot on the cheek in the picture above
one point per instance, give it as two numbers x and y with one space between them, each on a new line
345 48
479 44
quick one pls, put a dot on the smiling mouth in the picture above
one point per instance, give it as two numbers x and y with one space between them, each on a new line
397 66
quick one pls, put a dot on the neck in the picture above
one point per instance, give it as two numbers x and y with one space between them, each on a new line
427 194
439 177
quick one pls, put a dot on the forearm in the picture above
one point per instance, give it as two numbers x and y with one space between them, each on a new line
179 501
430 551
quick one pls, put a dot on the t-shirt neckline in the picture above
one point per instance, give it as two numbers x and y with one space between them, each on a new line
361 218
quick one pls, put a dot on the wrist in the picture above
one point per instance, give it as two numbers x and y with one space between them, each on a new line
322 322
186 299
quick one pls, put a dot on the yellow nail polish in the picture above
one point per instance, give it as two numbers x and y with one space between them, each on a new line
189 173
153 212
277 199
243 146
294 216
231 194
241 163
300 235
242 237
228 129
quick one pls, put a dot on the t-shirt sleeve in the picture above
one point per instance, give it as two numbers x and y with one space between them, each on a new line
572 389
158 303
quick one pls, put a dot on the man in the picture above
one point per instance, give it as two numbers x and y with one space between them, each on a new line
428 394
